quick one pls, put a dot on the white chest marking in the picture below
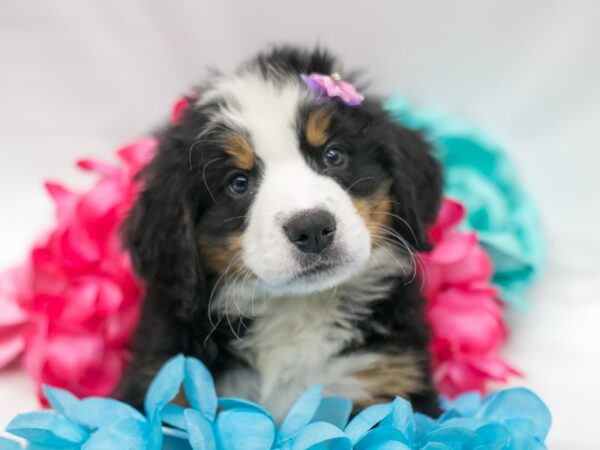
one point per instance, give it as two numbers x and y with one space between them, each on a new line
294 342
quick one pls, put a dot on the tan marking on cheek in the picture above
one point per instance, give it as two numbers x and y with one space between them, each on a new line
375 212
241 152
317 126
223 255
394 375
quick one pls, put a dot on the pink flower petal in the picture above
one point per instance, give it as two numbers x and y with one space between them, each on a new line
14 285
454 248
12 343
65 201
137 154
107 170
180 106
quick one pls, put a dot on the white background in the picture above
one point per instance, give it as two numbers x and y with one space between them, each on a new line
79 78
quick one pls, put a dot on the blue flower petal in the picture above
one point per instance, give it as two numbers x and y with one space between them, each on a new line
226 403
365 420
8 444
301 413
423 425
329 436
245 430
173 415
48 428
437 446
455 437
334 410
61 401
495 436
467 404
128 434
518 403
165 386
522 432
95 412
383 437
469 423
402 418
175 440
200 388
200 431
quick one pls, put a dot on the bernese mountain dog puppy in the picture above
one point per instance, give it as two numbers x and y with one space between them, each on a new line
276 237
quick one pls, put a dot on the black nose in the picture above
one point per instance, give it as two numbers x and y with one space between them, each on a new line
311 231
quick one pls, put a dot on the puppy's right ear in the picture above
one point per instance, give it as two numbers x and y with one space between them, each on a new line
159 232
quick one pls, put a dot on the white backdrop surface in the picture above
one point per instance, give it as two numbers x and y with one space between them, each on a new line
80 78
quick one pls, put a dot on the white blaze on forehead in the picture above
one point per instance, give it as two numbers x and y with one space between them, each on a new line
266 110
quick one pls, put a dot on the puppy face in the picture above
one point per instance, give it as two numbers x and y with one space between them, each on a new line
268 181
297 178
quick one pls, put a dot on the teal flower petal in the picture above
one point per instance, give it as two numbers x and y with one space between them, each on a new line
321 435
334 410
495 436
173 415
126 434
8 444
175 440
244 430
455 437
48 428
423 425
301 413
384 437
402 418
466 404
96 412
200 431
61 401
200 388
518 404
226 403
365 420
165 386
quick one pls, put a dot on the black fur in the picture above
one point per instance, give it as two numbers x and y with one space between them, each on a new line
185 199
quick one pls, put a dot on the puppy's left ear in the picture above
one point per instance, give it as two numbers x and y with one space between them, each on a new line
416 185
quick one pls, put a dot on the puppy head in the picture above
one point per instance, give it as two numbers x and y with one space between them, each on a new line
263 178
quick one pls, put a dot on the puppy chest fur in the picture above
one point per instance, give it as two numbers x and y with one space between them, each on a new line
295 342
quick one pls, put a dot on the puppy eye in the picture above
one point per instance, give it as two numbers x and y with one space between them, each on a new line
334 156
239 183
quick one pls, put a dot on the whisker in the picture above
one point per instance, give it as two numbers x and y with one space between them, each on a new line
204 177
356 182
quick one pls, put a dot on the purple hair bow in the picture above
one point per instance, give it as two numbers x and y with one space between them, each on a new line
333 86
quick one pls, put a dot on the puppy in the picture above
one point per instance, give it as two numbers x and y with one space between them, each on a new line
276 236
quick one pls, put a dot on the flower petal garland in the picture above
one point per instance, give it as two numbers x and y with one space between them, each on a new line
71 309
466 320
507 420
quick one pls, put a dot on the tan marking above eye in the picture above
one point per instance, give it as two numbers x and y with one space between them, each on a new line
317 127
375 212
240 150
